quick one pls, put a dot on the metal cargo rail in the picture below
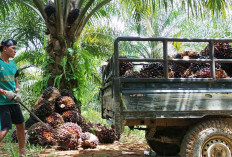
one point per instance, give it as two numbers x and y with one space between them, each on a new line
114 62
165 97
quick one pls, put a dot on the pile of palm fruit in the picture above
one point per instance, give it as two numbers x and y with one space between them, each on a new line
185 70
65 126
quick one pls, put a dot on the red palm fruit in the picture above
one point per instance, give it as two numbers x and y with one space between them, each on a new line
55 120
105 134
72 128
206 73
51 94
89 140
41 134
66 92
72 116
86 127
221 73
68 136
66 140
44 109
29 122
65 103
125 66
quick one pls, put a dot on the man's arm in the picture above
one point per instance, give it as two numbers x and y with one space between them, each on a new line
17 85
2 91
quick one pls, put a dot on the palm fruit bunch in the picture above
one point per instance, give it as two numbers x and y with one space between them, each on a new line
68 136
220 73
75 117
55 120
125 66
14 136
29 122
72 116
43 109
73 128
49 10
85 125
181 69
72 16
189 55
206 73
202 70
89 140
194 68
154 70
66 92
59 113
65 103
178 69
222 50
51 94
131 74
41 134
104 133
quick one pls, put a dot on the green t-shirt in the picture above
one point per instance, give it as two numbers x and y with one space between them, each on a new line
7 80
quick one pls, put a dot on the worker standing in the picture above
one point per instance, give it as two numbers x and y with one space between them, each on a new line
10 111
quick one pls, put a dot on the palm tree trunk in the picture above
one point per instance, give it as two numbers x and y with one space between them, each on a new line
57 50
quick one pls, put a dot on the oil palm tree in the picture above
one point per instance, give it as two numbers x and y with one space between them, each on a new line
148 21
66 19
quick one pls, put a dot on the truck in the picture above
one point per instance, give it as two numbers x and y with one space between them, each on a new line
180 116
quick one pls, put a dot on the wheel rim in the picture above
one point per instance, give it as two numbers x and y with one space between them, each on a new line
217 147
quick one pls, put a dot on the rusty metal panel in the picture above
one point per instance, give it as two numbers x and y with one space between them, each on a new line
169 99
177 101
174 114
107 103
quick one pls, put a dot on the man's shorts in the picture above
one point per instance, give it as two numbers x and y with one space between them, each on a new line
10 114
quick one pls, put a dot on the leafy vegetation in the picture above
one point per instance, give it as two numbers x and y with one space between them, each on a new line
83 58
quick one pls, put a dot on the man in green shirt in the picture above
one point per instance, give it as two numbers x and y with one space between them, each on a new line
10 111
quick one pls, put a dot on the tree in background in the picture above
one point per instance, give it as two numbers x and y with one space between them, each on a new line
66 20
171 20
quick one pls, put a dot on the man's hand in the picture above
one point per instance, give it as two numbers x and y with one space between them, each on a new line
13 96
10 95
2 91
17 90
18 98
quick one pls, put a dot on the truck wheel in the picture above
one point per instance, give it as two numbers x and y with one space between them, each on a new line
161 147
209 138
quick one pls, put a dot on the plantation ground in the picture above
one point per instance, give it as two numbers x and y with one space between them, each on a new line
131 144
127 149
103 150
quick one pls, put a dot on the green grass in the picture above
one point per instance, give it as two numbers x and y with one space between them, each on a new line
132 135
31 150
93 116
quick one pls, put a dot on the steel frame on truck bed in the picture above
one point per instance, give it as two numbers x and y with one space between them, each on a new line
145 101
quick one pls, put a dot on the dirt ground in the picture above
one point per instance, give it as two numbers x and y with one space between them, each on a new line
127 149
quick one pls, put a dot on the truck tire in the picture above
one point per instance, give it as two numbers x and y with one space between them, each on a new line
161 147
209 138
